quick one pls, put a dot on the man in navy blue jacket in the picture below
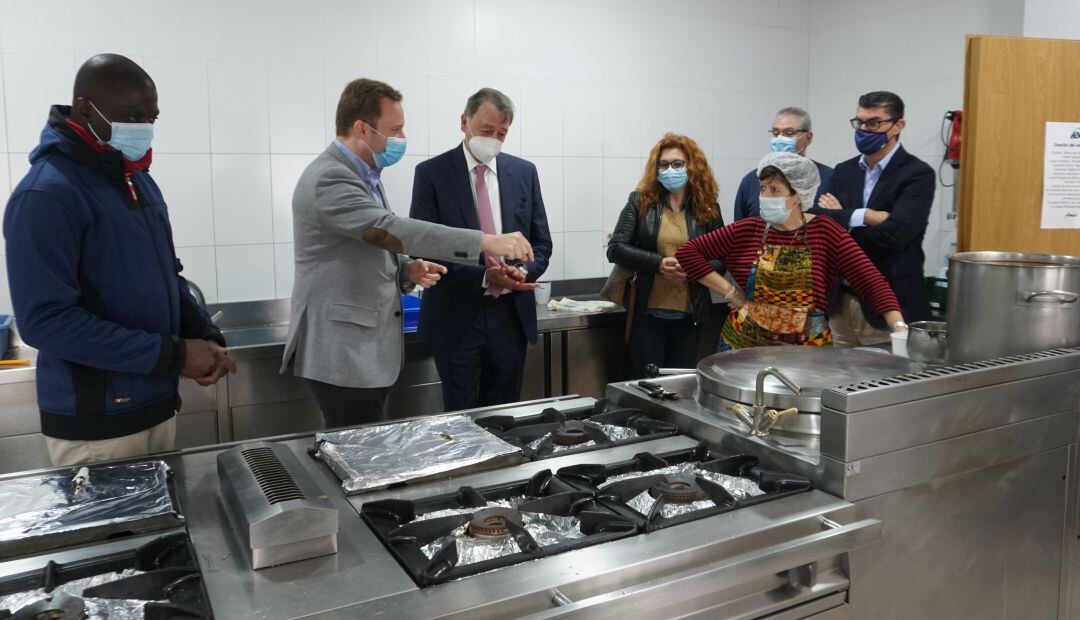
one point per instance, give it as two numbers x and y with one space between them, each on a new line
791 132
95 280
883 197
481 317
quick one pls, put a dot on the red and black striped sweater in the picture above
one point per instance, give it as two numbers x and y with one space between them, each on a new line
834 254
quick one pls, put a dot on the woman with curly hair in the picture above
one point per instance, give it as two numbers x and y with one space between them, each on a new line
674 202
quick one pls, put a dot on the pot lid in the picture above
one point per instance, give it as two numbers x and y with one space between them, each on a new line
733 374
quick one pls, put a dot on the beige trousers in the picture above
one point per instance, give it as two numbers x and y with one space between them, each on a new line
849 327
160 438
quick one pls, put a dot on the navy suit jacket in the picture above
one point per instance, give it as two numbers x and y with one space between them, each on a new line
442 193
906 190
747 203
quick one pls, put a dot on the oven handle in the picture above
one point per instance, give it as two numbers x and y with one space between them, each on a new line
788 556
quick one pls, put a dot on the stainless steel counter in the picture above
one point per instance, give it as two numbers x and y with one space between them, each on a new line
972 468
738 564
945 493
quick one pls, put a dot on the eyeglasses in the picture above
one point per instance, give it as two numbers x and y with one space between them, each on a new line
787 133
872 123
677 164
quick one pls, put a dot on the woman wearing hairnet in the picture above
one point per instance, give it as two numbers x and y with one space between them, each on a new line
786 261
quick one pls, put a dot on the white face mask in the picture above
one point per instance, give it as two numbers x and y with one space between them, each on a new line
484 149
774 210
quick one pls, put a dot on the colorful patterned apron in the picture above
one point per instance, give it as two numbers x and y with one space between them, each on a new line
779 301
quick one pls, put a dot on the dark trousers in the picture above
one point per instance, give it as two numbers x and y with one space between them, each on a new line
486 366
668 343
345 406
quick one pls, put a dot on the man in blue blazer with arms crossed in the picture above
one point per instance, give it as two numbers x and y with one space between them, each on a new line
480 321
883 197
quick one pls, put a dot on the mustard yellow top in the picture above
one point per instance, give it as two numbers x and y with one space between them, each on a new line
665 293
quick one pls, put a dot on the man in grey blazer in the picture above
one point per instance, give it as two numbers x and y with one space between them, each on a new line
345 336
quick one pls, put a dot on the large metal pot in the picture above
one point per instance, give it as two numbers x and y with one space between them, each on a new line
1006 303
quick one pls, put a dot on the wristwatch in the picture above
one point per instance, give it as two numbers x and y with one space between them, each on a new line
897 325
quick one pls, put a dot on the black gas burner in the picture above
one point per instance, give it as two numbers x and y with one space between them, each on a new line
456 535
165 573
572 433
662 490
494 522
556 433
679 489
472 531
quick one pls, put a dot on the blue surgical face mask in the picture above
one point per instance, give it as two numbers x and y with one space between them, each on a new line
774 210
870 142
131 139
782 144
395 150
672 179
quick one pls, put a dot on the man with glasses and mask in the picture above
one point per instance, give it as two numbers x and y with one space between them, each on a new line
479 322
94 277
791 132
345 333
883 197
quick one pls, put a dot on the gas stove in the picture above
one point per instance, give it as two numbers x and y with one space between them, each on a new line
558 433
474 530
158 579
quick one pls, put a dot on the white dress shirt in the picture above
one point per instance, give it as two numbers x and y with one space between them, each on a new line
491 177
872 175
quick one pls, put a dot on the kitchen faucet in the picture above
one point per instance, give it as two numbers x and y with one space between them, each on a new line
761 420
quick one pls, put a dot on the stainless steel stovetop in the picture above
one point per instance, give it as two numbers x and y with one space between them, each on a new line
743 563
691 566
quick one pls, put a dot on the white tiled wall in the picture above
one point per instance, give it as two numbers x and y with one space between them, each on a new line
248 90
914 48
1057 19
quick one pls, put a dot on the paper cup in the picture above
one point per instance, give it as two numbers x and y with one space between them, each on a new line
543 293
899 343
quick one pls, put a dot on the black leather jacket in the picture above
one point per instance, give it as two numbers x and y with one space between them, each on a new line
633 245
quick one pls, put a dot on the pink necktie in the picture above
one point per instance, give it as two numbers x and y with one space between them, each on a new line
487 218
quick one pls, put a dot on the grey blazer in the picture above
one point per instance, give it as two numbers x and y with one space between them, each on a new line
346 307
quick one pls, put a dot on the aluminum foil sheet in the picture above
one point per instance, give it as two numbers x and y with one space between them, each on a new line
52 503
374 457
740 488
555 449
546 529
682 468
18 600
115 609
613 432
438 514
643 503
549 529
618 433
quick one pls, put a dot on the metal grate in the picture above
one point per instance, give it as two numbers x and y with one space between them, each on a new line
953 370
275 481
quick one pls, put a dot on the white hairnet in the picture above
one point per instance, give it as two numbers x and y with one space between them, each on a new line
800 172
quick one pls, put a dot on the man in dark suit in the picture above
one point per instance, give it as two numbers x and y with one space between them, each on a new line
478 323
884 197
791 132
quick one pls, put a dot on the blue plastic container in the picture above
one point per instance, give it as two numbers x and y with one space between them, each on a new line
5 333
411 319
